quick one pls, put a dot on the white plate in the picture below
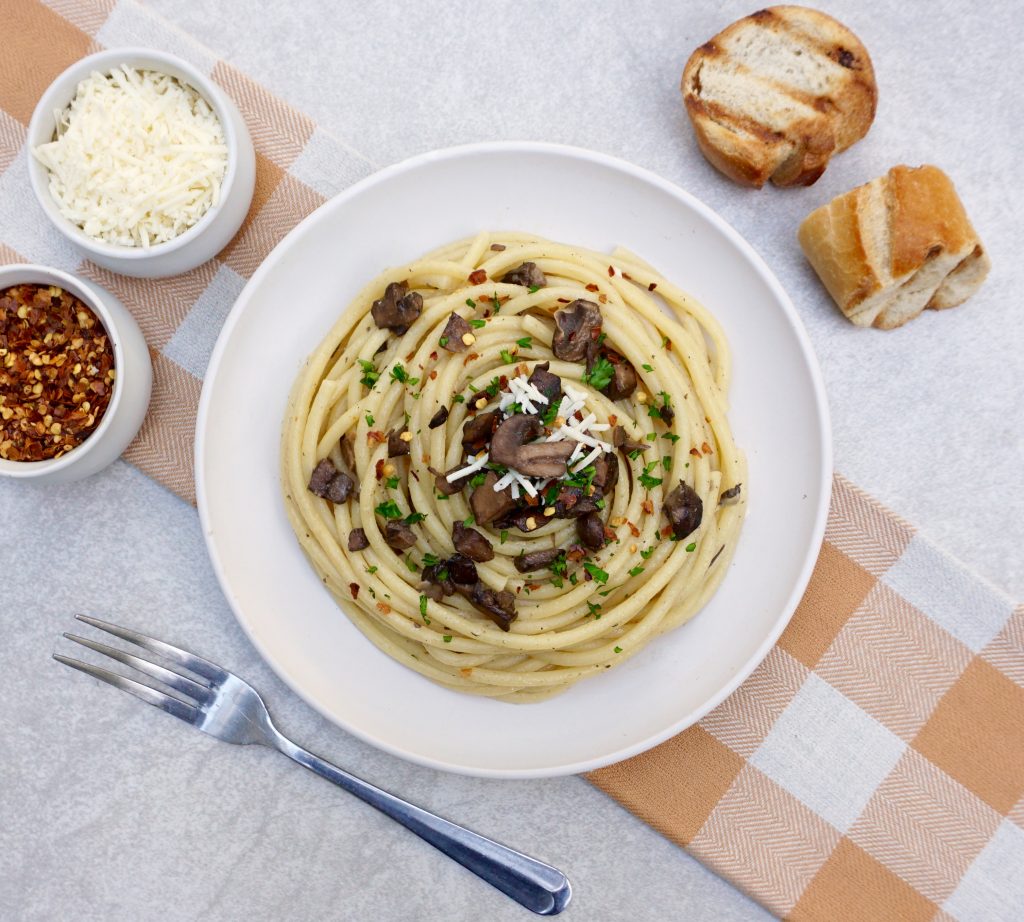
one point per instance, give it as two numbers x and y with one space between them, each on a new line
778 410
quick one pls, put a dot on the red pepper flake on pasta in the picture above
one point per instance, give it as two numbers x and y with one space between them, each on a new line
592 287
477 277
354 589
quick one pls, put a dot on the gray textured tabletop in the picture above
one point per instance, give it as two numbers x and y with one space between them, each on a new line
113 812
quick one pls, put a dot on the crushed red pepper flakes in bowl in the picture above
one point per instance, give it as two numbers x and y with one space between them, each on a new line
56 372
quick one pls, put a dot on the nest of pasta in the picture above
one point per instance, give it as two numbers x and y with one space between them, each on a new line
512 466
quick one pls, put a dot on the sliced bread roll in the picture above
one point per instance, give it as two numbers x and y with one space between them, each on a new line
895 246
776 94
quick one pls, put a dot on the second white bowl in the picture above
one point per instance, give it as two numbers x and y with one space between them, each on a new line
213 231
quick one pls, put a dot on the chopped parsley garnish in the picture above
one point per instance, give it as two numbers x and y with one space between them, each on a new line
664 342
645 478
492 389
410 563
458 398
504 537
414 517
370 373
652 436
423 609
534 289
369 419
594 609
595 571
600 375
572 578
646 554
470 302
495 302
467 521
475 322
477 480
399 374
549 414
671 436
525 343
647 367
666 462
429 560
506 357
636 571
392 483
389 510
443 341
371 570
557 582
691 547
558 566
634 454
447 638
618 649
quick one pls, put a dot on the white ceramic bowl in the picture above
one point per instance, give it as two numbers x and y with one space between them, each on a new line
213 231
132 383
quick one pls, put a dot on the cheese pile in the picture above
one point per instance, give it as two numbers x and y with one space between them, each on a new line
138 159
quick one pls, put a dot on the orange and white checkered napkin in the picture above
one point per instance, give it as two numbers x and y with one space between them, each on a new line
871 768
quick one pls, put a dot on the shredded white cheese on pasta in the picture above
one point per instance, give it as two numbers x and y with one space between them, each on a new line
138 159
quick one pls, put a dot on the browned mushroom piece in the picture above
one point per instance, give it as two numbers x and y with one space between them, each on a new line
499 606
357 540
437 575
454 330
398 536
509 446
623 381
627 445
730 494
684 509
590 528
397 310
461 570
606 472
439 418
448 487
573 502
478 431
576 326
434 591
537 560
328 482
527 275
527 519
667 414
472 544
487 503
348 452
397 446
550 385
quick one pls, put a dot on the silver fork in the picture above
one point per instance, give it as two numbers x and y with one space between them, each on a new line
225 706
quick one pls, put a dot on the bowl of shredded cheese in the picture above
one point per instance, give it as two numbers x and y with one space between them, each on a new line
142 161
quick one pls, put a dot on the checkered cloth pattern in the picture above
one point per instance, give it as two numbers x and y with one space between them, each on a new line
872 767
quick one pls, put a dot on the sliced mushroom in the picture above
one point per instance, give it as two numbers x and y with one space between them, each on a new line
328 482
623 381
527 275
437 575
397 446
550 385
398 536
357 540
461 570
487 503
472 544
730 494
434 591
439 418
478 431
590 528
606 472
499 606
684 509
576 326
398 308
454 330
527 519
573 502
620 441
448 487
537 560
667 414
537 459
348 452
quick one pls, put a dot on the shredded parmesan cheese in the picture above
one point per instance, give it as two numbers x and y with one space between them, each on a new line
138 159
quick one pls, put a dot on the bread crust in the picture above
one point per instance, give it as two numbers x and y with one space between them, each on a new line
810 107
895 246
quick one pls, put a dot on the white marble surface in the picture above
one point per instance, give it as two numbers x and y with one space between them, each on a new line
112 811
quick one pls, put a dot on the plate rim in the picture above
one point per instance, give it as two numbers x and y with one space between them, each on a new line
820 400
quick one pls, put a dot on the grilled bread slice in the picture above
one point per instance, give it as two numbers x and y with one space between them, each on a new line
776 94
895 246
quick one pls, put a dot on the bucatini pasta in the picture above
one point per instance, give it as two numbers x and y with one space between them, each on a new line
512 467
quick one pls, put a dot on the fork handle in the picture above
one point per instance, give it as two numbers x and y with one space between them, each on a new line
537 886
